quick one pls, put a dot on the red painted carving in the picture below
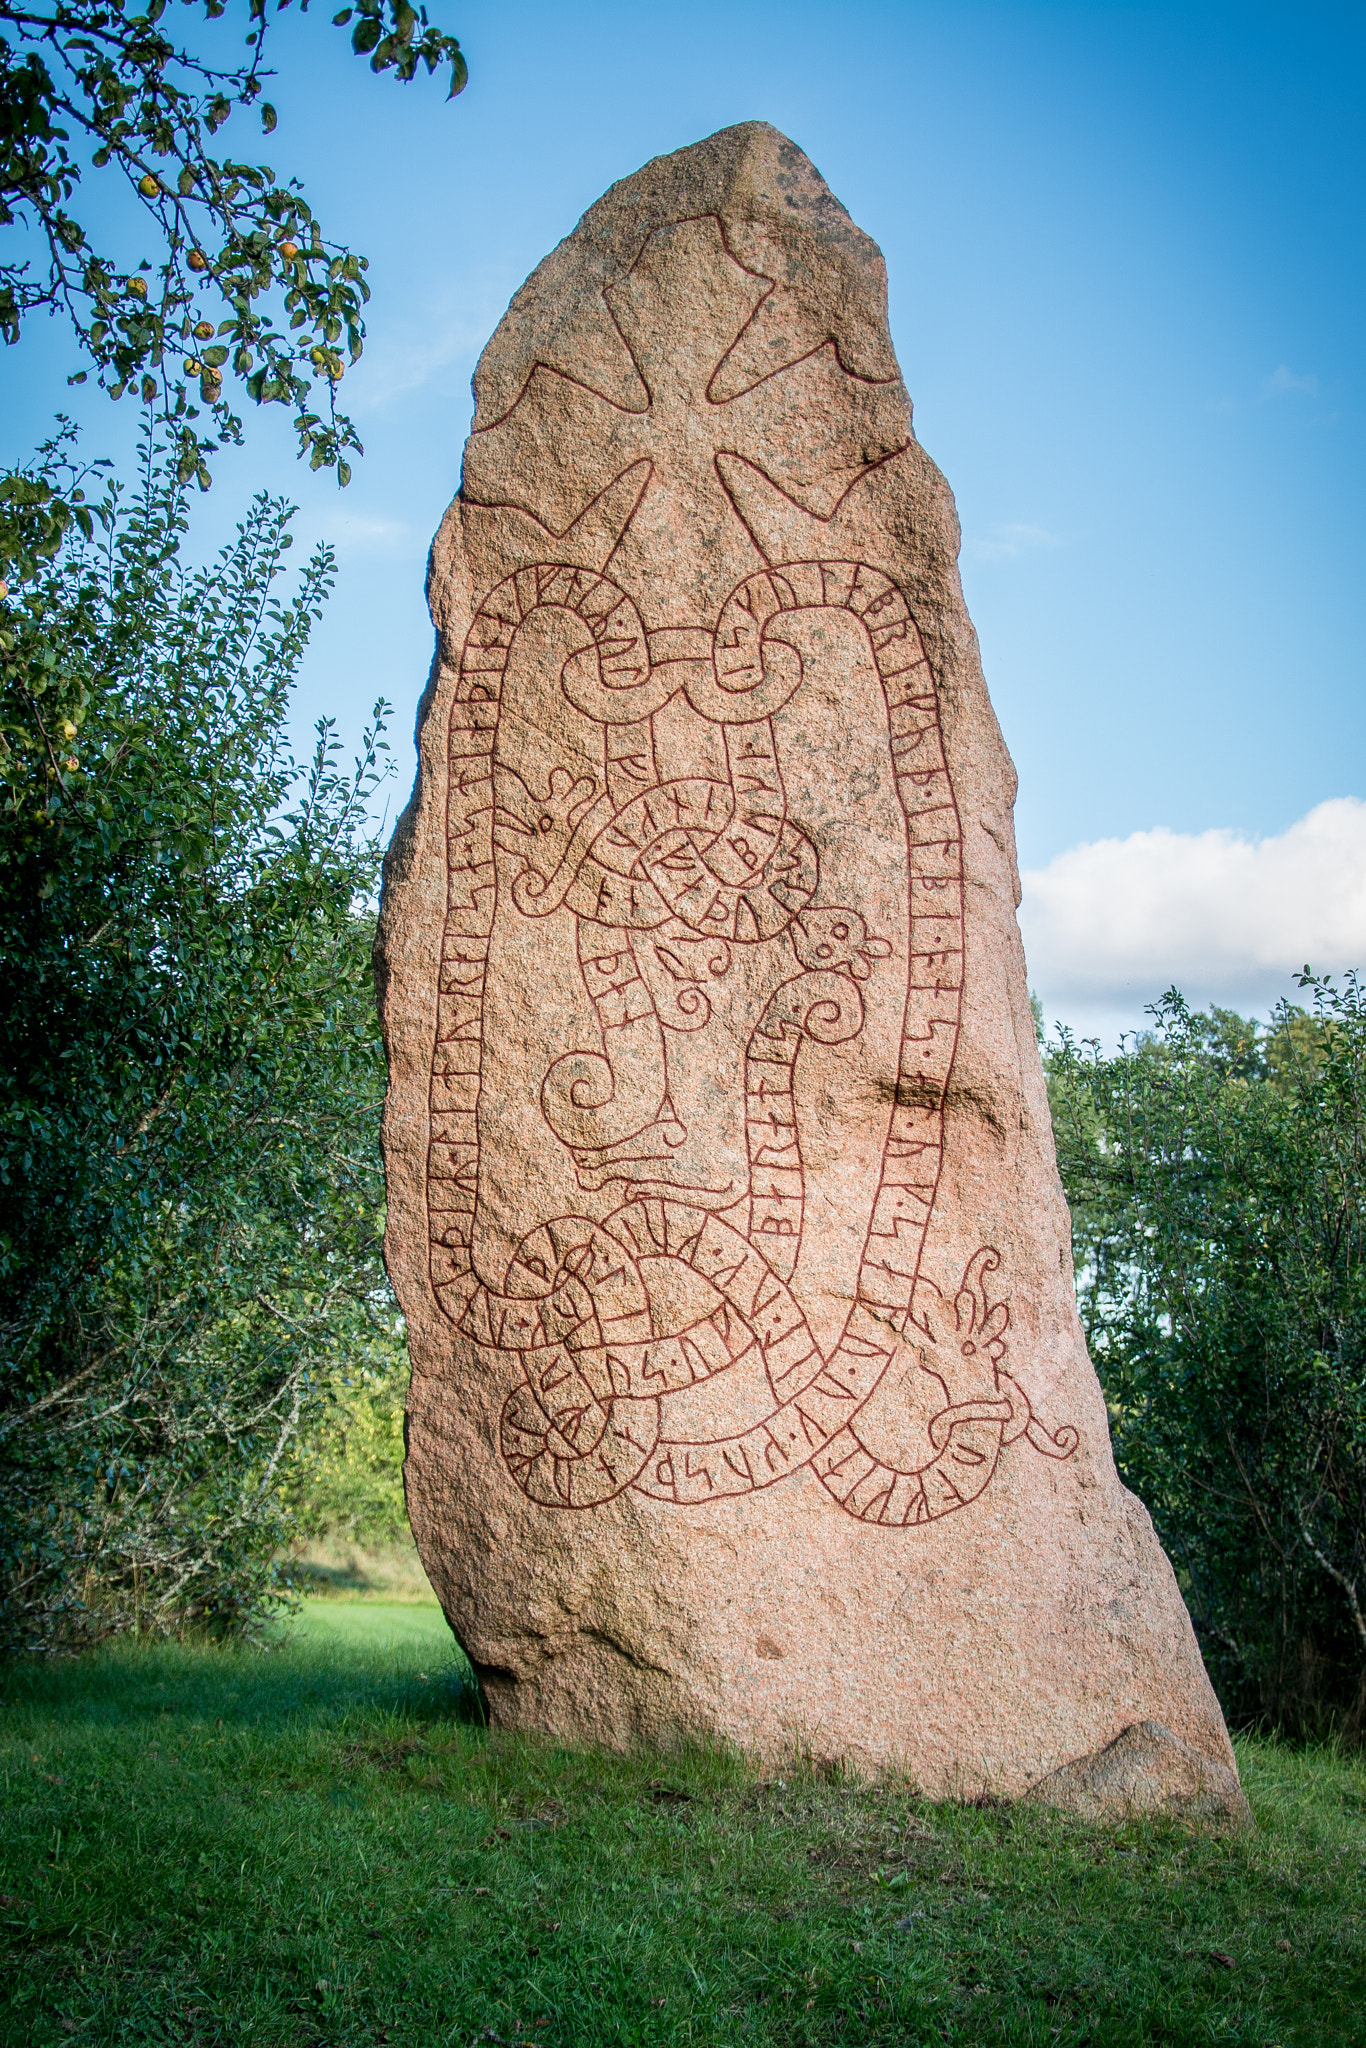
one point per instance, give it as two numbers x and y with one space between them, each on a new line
668 881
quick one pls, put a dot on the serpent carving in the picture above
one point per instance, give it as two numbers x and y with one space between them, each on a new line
669 881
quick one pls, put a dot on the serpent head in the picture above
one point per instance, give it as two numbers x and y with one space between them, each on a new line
837 940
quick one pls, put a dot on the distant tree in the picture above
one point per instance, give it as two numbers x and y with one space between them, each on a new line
1217 1176
190 1191
344 1480
243 283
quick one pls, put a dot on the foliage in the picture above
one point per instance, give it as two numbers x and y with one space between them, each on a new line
225 1846
189 1184
246 280
1217 1174
344 1481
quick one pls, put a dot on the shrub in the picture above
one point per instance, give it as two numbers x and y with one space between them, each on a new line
1217 1174
190 1192
345 1481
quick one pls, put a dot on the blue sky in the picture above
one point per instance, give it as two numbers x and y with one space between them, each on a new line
1125 247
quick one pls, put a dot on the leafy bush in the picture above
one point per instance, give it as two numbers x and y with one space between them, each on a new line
190 1191
1217 1175
345 1481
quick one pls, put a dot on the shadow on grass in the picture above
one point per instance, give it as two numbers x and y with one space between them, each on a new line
316 1672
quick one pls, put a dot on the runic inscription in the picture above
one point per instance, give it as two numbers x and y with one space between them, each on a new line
668 878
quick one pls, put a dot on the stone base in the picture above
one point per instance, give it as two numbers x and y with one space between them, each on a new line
1147 1769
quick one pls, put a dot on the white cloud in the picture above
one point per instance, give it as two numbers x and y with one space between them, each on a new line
1005 543
436 343
396 365
1226 918
360 533
1283 381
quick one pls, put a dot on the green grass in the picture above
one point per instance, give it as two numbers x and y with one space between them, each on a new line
307 1846
374 1624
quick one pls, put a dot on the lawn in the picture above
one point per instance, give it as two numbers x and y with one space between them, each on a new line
309 1845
